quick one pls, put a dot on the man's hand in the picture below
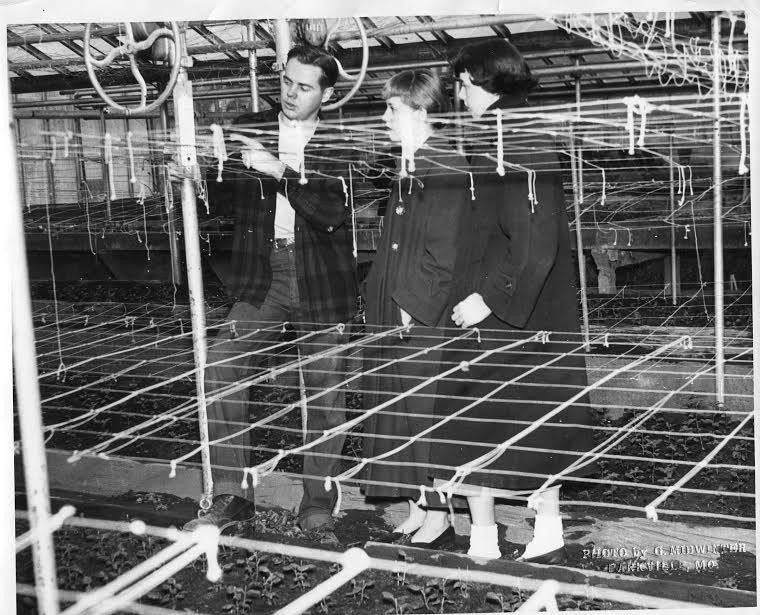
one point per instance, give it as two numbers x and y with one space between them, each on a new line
470 311
255 156
405 318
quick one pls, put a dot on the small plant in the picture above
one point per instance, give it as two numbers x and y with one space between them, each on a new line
497 598
399 607
172 593
300 572
463 588
240 605
358 589
506 603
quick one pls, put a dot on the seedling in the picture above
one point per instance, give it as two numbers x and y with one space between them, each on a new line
300 572
399 608
359 589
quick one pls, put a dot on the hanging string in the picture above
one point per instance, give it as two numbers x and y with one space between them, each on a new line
350 195
132 178
141 200
743 102
644 108
52 145
220 149
499 144
203 194
472 187
61 367
108 155
629 123
67 136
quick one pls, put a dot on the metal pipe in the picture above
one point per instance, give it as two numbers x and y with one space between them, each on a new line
752 15
593 69
184 122
575 169
130 185
26 375
282 44
673 255
61 36
451 23
718 216
106 189
171 217
252 68
21 172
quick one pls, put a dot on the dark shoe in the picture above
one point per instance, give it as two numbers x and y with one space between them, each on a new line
393 538
324 535
444 539
551 558
226 510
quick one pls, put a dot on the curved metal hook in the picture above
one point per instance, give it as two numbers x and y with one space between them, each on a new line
131 48
362 72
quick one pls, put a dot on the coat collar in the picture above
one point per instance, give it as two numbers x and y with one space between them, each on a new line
509 101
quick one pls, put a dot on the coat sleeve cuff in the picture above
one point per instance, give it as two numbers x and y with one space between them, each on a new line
422 309
498 292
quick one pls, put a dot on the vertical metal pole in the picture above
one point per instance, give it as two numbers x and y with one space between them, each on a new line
171 223
21 174
252 67
25 371
150 129
130 185
752 15
50 166
77 153
673 255
106 189
576 173
281 43
184 122
717 216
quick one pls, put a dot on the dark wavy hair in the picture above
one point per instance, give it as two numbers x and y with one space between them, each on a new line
420 89
496 66
316 56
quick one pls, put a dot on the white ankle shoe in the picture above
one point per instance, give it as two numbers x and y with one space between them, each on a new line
484 542
547 542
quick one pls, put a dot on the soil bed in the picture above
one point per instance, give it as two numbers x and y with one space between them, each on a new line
263 582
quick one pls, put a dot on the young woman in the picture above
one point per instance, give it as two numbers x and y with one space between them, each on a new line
514 276
410 282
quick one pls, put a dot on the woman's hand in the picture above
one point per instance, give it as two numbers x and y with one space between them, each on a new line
470 311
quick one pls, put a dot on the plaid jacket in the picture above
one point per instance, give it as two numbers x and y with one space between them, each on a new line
325 265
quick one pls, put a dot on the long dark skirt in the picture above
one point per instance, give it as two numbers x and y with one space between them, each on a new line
403 419
494 418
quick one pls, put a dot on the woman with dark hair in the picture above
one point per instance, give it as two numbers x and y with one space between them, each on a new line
409 283
514 275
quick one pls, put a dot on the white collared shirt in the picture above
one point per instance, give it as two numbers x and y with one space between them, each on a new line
293 137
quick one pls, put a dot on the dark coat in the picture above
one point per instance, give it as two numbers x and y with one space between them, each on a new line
325 265
412 270
520 262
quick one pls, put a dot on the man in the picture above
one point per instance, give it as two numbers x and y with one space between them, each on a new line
292 260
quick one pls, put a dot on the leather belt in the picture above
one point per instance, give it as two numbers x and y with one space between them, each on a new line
284 242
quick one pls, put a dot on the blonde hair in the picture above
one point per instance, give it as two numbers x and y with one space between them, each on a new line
420 89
